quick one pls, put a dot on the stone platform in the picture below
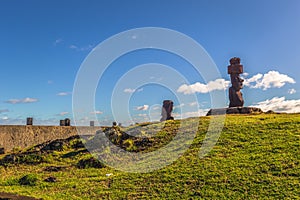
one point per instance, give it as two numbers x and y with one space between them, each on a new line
234 110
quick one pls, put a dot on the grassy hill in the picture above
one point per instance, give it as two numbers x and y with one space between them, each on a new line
256 157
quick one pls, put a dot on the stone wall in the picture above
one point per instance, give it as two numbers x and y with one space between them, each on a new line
12 136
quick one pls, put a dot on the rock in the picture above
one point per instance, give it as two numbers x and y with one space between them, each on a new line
30 179
53 168
56 145
90 163
78 144
270 112
9 159
50 179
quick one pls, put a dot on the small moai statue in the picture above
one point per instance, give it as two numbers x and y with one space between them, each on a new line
235 95
120 124
29 121
62 122
67 122
166 110
92 123
114 123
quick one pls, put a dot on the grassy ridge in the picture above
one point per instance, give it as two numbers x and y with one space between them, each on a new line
257 156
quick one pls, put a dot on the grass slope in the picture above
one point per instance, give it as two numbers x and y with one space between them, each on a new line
256 157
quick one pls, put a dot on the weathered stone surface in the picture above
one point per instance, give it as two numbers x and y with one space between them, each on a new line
234 110
235 95
166 111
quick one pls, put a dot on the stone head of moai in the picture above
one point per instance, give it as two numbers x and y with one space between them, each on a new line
166 111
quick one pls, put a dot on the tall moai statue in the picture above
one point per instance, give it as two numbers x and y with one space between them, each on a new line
235 95
166 110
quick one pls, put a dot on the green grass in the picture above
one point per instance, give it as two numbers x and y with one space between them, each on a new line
256 157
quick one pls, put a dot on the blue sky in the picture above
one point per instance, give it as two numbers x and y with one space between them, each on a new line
44 43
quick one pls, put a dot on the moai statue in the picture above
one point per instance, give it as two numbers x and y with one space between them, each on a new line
92 123
67 122
62 122
235 95
167 110
29 121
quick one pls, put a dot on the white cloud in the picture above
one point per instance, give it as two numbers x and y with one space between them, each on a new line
85 48
130 90
142 115
50 82
29 100
280 104
18 101
144 107
193 103
97 112
179 106
63 113
58 41
292 91
73 47
4 110
218 84
245 74
63 93
272 79
156 107
5 118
